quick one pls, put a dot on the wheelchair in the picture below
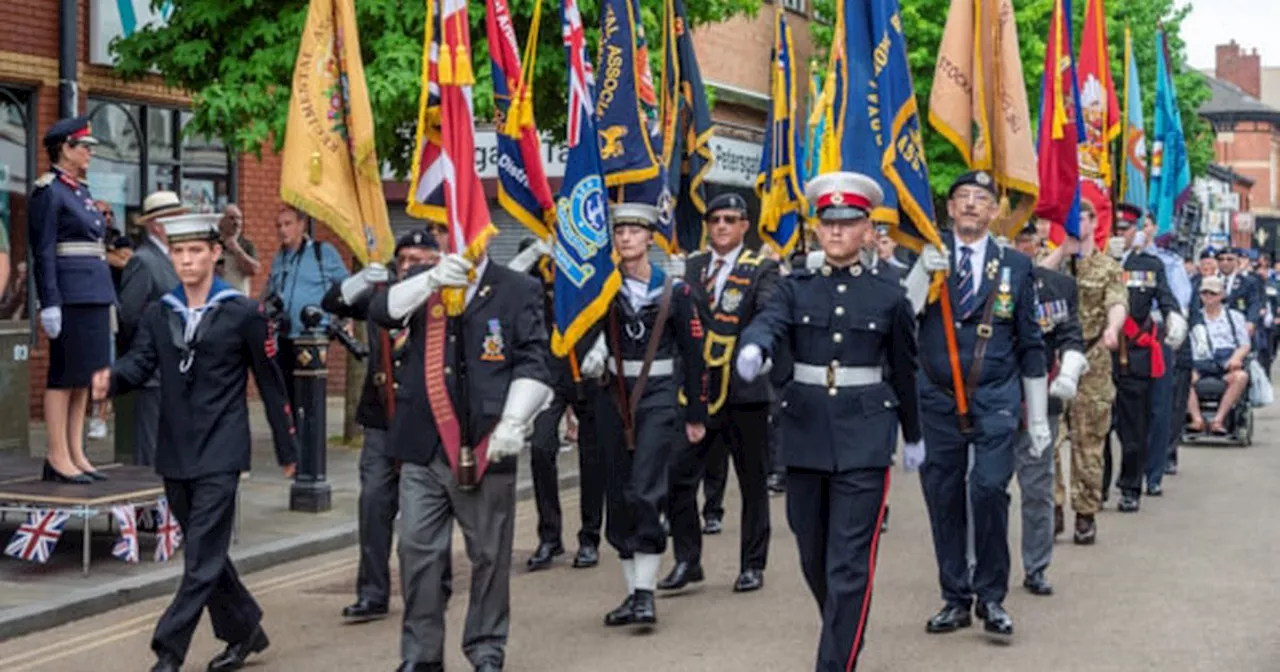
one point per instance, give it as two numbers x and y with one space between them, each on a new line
1239 420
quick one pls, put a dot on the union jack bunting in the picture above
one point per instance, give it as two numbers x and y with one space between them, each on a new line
35 539
126 547
168 532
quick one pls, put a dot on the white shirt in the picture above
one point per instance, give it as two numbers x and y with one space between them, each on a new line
1219 330
158 243
1231 282
976 260
636 292
728 262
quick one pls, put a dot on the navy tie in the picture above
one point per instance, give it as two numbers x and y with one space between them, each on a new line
964 278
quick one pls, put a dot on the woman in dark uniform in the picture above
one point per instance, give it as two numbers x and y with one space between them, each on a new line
73 285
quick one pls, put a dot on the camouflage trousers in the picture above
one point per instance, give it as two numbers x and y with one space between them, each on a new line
1088 422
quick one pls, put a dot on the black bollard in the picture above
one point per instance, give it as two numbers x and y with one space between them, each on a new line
310 491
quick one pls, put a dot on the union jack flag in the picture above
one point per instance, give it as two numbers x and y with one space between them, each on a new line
126 547
581 78
35 539
168 531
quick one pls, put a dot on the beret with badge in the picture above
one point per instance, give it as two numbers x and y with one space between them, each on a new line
844 195
727 201
977 178
417 238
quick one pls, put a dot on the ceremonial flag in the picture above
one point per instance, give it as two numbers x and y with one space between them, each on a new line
811 151
880 131
331 168
35 539
1170 167
687 127
1060 130
1133 179
168 531
426 178
586 278
126 547
979 100
1101 112
782 204
522 181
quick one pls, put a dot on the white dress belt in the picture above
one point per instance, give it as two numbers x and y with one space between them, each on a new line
631 367
837 376
81 249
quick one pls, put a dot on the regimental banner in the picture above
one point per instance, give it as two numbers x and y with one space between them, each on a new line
1101 111
687 127
1170 167
1133 179
782 204
626 103
1060 130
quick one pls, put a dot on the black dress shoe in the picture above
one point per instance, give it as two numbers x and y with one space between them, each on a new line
587 556
1037 584
712 525
1155 490
1128 504
997 620
52 475
1086 530
951 618
643 609
96 475
235 654
683 574
364 611
167 663
777 483
541 558
884 522
625 614
752 579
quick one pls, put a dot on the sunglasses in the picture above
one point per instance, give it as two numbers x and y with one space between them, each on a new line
726 219
1209 292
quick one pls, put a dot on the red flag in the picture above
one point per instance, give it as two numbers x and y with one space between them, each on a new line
466 210
1098 102
1059 167
1101 200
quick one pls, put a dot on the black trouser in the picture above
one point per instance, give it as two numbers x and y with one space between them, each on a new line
205 508
715 476
1181 394
775 439
546 481
637 479
1133 421
836 519
379 504
743 432
286 360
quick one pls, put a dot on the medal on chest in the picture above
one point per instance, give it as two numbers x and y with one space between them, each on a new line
1004 294
494 348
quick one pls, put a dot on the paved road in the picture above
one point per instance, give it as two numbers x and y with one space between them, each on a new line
1189 584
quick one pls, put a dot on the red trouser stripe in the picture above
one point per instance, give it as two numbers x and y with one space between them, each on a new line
871 576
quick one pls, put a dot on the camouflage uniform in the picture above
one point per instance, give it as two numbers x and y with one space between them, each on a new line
1100 280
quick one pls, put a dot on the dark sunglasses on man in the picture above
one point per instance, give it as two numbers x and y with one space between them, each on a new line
726 219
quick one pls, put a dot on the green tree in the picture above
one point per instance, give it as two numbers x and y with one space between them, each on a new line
924 21
236 59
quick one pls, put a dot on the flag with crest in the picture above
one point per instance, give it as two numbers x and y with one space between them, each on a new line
35 539
1170 166
687 127
1060 130
782 204
1098 105
168 531
126 547
1133 179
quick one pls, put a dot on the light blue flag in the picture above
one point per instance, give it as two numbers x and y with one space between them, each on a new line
1170 167
1134 187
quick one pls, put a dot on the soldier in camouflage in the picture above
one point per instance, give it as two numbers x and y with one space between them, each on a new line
1103 308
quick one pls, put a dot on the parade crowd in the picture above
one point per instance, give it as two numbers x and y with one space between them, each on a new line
980 359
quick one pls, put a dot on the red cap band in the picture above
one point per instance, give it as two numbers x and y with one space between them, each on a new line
844 199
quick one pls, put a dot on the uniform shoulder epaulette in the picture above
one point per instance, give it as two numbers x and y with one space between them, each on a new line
696 255
45 180
749 258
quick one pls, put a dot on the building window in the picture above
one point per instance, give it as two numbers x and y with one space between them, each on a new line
115 173
794 5
17 163
206 172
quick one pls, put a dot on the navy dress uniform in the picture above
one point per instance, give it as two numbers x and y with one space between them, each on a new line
69 267
731 290
851 332
203 354
1001 352
490 362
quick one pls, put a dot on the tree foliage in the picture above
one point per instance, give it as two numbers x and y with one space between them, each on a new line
236 58
924 20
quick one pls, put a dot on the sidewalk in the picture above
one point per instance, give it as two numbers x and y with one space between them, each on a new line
35 597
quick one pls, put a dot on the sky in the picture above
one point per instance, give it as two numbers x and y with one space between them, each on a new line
1252 23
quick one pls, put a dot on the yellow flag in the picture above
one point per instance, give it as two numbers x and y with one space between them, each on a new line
331 168
979 101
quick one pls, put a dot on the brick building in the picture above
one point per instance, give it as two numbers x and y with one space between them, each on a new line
1246 130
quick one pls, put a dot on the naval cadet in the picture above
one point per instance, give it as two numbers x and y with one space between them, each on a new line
75 293
734 285
379 471
1001 357
470 388
203 338
651 324
852 334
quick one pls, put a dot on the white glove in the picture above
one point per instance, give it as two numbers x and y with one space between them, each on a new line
913 454
1035 393
1115 247
1176 330
1200 343
51 320
592 366
526 398
1073 366
917 284
359 285
750 362
526 260
934 259
815 259
406 296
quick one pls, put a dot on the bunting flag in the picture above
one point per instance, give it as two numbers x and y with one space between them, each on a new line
979 101
126 547
35 539
687 127
1101 112
1133 179
1170 166
586 275
1060 130
426 178
331 169
782 203
168 531
522 181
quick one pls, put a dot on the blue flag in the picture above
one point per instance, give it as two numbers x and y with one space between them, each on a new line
879 126
782 204
687 127
586 277
1170 167
1133 180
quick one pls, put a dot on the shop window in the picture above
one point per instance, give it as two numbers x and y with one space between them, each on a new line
17 161
206 170
115 174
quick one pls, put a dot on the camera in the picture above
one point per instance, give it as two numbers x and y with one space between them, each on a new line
312 316
273 308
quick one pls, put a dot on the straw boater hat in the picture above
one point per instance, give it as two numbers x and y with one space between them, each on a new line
188 228
161 204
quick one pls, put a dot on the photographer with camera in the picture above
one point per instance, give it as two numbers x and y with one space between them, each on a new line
301 272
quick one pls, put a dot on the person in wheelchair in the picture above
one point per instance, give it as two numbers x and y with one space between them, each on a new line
1220 345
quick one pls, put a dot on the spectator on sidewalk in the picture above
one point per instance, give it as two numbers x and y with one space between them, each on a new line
239 263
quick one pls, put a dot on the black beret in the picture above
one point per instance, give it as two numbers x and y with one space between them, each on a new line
978 178
727 201
423 237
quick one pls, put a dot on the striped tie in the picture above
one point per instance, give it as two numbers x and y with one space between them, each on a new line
710 281
964 278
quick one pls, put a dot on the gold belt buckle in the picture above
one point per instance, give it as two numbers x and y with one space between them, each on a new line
985 331
831 375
